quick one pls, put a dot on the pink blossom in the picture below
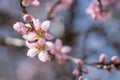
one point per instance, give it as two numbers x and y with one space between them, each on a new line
40 47
30 2
43 56
60 51
42 29
21 28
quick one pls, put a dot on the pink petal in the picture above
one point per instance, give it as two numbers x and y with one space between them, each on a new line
41 41
58 44
30 36
32 52
45 25
65 49
49 46
35 3
30 45
48 36
43 56
36 23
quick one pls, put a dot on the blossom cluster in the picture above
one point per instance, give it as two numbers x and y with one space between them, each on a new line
43 44
36 36
100 10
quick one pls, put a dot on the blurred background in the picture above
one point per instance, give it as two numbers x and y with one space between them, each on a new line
87 37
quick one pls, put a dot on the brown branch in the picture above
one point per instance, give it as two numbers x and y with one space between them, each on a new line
100 5
52 9
23 8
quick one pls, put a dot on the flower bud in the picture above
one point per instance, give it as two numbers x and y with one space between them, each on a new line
115 59
102 58
28 17
20 28
80 78
79 62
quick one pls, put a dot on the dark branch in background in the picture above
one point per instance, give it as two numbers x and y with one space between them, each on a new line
23 8
52 9
100 5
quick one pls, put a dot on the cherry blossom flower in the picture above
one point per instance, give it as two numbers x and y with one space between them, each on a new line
60 51
30 2
42 29
41 47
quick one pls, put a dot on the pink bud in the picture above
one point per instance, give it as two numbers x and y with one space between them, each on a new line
79 62
80 78
35 3
20 27
28 17
75 72
102 58
115 59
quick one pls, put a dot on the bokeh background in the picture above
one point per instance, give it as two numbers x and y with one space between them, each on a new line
87 37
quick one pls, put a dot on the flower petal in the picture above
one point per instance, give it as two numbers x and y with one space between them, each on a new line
30 36
50 46
30 45
36 23
32 52
43 56
58 44
45 25
48 36
65 49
